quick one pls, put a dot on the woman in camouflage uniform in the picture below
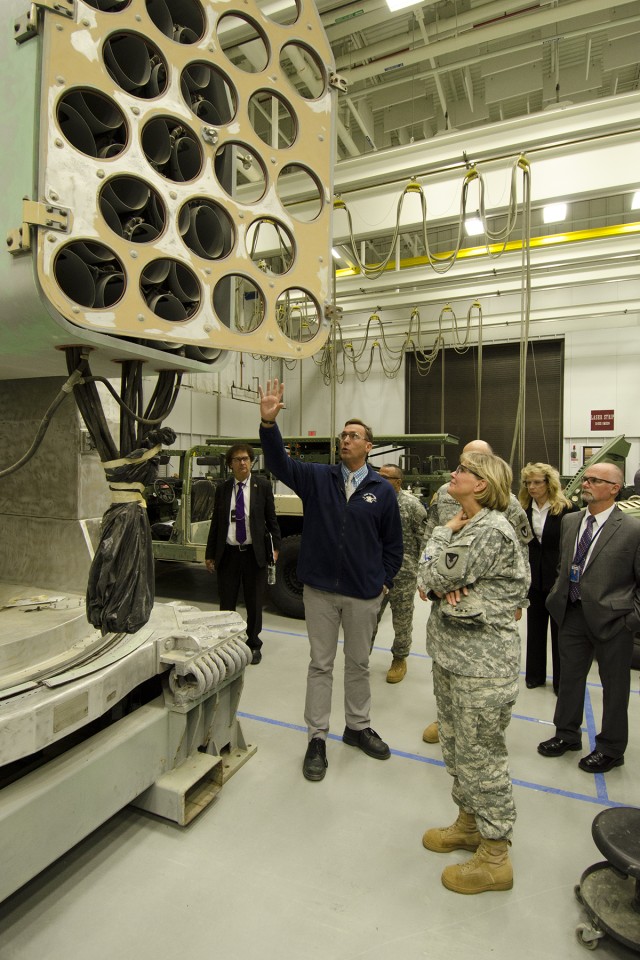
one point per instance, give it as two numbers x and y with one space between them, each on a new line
473 570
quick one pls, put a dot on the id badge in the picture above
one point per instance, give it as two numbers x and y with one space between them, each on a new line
574 573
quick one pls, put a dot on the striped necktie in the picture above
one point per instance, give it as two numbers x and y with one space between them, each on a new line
580 557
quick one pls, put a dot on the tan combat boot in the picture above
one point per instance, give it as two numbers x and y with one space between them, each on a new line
489 869
461 835
397 670
431 734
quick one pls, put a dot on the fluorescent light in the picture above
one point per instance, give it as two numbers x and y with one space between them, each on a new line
554 212
635 201
401 4
473 227
335 254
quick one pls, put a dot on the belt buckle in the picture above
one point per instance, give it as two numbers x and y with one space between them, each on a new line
242 547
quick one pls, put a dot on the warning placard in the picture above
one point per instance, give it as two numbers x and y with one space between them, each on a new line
602 419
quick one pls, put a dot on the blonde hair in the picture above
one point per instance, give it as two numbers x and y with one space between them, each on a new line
557 500
497 476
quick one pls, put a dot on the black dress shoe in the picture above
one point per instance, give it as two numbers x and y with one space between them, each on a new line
368 741
556 746
256 656
535 683
597 762
315 759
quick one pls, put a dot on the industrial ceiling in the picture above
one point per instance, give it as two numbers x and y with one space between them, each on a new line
438 87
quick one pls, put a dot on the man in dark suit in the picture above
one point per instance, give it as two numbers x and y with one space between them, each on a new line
596 603
244 515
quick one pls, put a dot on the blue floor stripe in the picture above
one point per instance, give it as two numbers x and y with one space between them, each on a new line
602 798
601 785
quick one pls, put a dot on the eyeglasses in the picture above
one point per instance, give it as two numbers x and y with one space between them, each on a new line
596 481
240 459
350 436
462 469
534 483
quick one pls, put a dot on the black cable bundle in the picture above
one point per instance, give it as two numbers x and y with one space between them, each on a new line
121 588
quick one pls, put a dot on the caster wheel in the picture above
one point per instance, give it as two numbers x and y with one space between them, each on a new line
578 895
587 936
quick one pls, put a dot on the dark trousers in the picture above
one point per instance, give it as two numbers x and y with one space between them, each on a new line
239 567
538 620
578 646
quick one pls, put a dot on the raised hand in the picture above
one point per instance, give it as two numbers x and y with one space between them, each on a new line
271 399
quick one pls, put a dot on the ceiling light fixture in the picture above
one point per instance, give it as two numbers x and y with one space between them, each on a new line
335 254
554 212
473 227
395 5
635 201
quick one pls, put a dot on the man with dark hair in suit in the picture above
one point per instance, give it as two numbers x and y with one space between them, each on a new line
596 603
244 514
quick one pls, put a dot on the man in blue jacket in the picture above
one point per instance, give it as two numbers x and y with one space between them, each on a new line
351 550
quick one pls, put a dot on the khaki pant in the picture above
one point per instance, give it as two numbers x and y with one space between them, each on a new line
324 613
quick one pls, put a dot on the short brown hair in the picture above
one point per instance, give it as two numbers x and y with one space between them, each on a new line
368 433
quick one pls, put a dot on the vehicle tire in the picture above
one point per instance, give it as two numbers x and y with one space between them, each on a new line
286 592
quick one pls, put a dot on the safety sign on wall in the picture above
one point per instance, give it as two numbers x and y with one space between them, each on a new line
602 419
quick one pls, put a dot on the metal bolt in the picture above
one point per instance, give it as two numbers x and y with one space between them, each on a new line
140 317
270 337
60 80
85 23
208 328
320 137
75 309
135 110
58 142
100 173
53 194
133 254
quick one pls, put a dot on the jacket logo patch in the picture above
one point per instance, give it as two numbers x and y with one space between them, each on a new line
370 497
525 533
450 560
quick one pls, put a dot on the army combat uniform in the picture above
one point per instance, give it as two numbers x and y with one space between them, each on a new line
443 507
401 597
475 647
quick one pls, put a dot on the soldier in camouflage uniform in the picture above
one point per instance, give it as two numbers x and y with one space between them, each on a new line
474 571
443 506
402 595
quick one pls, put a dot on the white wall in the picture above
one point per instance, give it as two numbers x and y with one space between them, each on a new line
602 372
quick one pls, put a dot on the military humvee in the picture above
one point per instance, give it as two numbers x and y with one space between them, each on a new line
180 506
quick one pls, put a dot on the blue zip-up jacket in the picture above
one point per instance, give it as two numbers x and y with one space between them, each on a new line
352 547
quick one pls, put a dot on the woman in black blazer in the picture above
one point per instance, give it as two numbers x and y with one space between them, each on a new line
545 505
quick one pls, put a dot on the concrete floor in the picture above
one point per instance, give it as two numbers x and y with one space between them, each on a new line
283 869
